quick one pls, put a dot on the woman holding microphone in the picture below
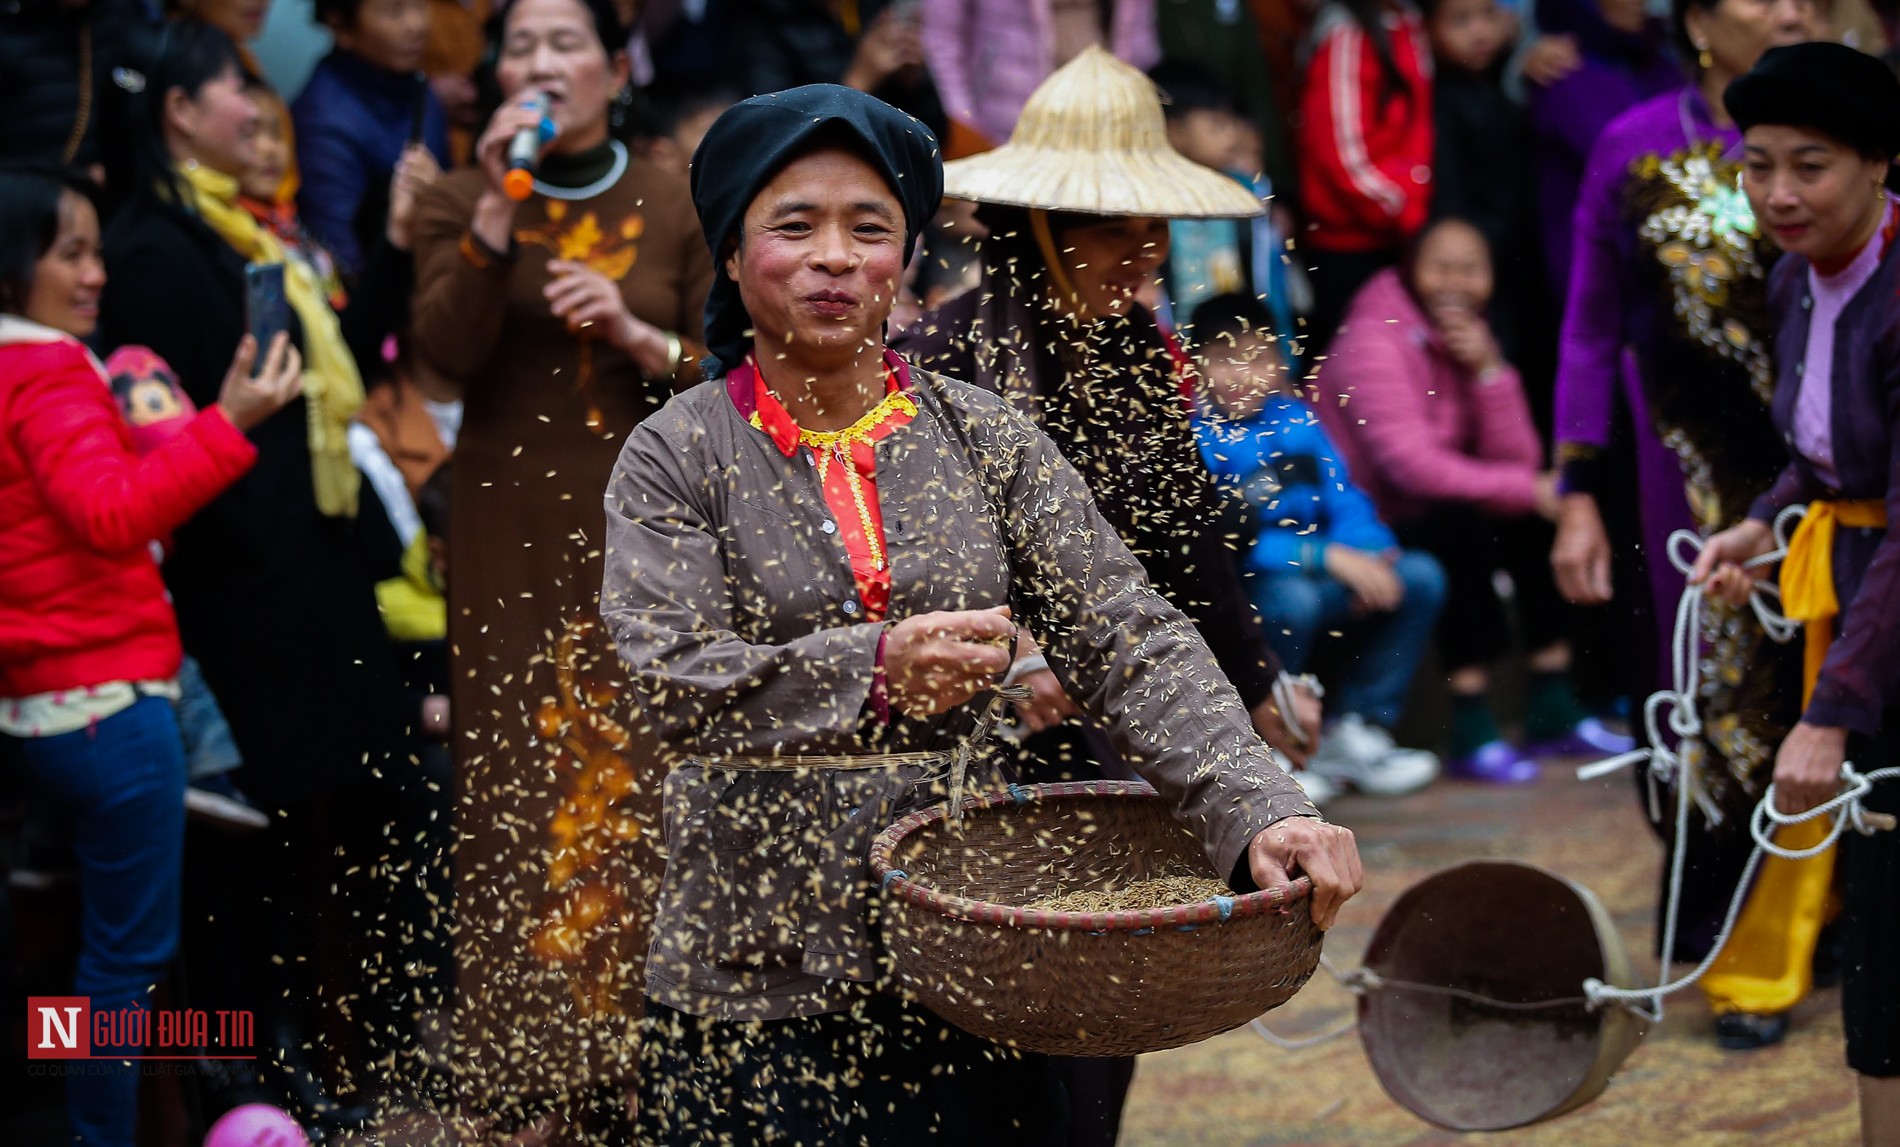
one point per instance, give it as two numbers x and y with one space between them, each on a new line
562 303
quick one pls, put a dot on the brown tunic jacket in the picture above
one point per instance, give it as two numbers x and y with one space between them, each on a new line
730 596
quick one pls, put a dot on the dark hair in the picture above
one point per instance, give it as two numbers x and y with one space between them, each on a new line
432 500
613 38
336 13
664 110
1186 88
1408 261
185 54
1369 15
1229 317
1679 24
29 222
607 25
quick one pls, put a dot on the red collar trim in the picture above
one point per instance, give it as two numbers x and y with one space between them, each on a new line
749 397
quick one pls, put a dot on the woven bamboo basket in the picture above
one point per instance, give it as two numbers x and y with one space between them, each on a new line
961 942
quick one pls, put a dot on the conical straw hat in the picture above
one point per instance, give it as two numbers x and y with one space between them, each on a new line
1092 139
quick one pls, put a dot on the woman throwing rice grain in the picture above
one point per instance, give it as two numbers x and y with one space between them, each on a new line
822 554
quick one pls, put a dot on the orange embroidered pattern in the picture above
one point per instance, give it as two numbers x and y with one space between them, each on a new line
612 254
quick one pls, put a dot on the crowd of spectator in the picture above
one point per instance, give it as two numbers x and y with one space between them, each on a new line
1432 361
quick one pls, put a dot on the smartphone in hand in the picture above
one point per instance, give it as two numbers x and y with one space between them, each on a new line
267 308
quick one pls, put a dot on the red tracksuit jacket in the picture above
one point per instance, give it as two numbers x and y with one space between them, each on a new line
1365 141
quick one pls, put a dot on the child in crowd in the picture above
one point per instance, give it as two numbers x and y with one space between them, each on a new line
415 792
1482 135
366 107
157 409
1321 560
378 308
1479 175
677 120
1209 257
1365 144
261 191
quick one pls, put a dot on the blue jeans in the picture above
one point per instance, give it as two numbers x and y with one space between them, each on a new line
1297 610
209 749
121 784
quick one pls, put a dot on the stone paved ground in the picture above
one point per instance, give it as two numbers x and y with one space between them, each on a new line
1677 1088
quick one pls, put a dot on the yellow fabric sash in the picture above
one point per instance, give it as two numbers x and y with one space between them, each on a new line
1765 968
1807 575
332 390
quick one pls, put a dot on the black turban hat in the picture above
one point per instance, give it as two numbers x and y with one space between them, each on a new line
755 139
1832 88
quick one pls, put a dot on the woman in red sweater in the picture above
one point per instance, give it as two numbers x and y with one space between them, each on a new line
88 644
1365 142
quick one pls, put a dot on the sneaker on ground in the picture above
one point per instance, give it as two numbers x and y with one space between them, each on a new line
41 879
1318 789
1588 736
1495 762
218 803
46 858
1354 751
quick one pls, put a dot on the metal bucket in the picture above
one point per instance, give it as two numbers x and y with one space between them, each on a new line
1510 933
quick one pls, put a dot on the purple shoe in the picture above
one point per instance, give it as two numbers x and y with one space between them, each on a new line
1494 762
1588 737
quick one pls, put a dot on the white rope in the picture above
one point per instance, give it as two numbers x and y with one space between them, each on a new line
1666 767
1304 1042
1357 982
1685 657
1286 697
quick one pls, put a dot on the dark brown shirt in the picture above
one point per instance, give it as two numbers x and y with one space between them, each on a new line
555 883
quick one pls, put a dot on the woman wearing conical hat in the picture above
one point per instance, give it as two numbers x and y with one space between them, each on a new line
1077 205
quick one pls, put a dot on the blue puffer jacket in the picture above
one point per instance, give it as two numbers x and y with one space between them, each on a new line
1284 466
352 122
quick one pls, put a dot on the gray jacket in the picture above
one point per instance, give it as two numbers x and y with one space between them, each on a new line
730 595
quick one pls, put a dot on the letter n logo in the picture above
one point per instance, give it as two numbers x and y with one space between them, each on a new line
58 1027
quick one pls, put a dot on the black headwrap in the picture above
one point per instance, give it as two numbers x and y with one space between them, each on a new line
1832 88
754 139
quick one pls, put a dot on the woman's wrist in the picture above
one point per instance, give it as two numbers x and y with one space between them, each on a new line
493 222
1757 536
648 346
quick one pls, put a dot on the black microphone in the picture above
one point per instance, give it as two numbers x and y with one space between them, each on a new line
524 150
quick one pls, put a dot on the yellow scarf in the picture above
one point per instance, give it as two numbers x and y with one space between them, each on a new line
1807 575
332 390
